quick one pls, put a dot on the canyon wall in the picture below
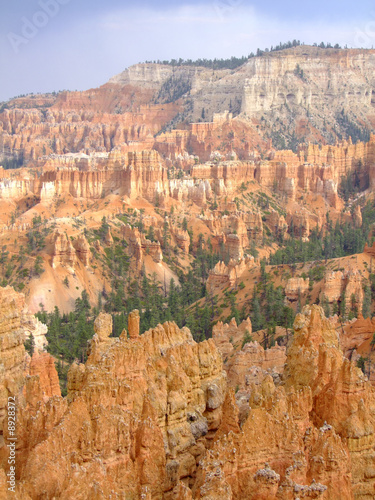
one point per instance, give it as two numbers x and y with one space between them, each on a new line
16 326
145 173
147 413
153 416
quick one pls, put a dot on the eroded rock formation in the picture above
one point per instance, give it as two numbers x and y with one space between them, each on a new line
295 288
64 253
140 246
152 416
16 326
223 275
12 337
346 283
145 405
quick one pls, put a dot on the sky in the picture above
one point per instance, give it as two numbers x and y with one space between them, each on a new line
52 45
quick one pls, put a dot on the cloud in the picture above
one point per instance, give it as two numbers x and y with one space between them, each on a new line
79 51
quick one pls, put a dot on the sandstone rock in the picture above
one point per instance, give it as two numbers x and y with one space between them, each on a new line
12 359
295 288
82 249
333 286
183 241
354 289
223 275
267 483
227 335
313 392
348 281
356 333
103 326
32 326
43 365
63 252
342 397
157 411
357 216
108 240
277 224
301 224
133 324
139 246
139 407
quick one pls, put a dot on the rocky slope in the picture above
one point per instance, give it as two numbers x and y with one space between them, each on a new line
17 325
300 82
295 95
152 416
103 153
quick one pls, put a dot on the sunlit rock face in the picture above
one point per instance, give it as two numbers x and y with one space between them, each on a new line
152 416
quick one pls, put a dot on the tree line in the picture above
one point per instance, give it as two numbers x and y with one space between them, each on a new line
234 62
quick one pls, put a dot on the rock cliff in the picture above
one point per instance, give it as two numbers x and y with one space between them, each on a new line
144 405
151 416
16 325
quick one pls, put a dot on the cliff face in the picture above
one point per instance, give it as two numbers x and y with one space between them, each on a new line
13 360
133 107
336 283
70 127
150 416
305 80
341 395
302 79
145 173
145 405
16 325
320 415
246 362
228 275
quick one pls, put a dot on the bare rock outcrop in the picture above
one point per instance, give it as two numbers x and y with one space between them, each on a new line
341 395
245 360
336 283
12 358
82 249
223 275
321 414
32 326
42 365
295 288
133 324
150 416
144 407
140 246
64 253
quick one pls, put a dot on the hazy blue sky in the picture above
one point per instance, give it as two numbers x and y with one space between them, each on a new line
79 44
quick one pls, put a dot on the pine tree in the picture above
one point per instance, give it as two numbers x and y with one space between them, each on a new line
151 233
343 305
38 266
256 316
30 344
366 306
326 308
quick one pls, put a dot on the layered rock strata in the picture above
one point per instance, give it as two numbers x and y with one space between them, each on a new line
338 284
144 405
16 326
150 416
